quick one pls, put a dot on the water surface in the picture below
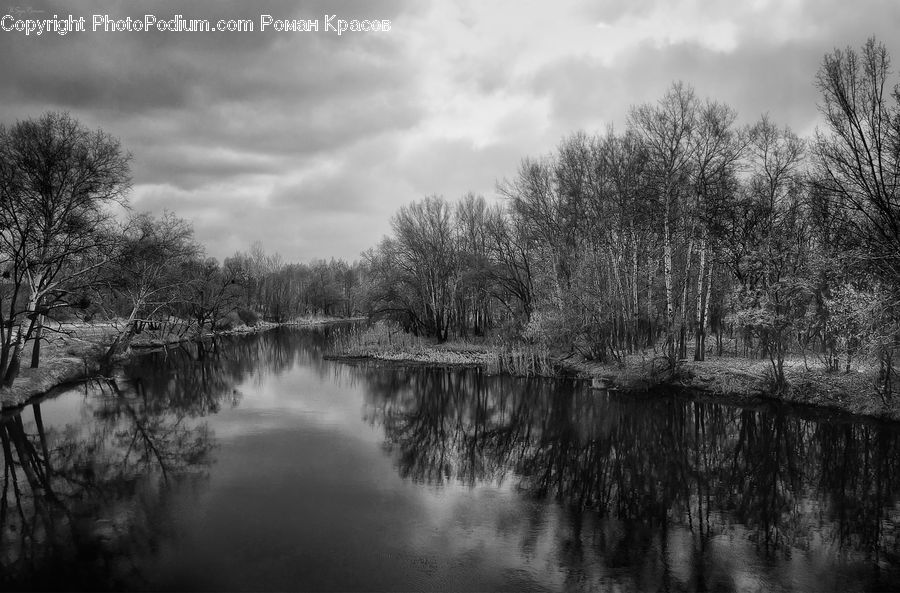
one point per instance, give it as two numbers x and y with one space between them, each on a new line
257 465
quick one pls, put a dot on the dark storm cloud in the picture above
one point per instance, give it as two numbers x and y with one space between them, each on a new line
121 70
218 121
310 141
268 133
294 77
78 74
134 71
190 167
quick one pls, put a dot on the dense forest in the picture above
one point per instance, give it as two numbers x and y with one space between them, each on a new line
685 233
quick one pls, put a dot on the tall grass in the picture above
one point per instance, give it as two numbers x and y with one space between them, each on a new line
521 360
365 340
384 340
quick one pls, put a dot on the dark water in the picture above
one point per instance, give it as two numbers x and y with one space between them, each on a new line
259 466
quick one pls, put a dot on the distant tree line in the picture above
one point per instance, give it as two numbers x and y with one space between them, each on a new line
71 249
682 227
279 291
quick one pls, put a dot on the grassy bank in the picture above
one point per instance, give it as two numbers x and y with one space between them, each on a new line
741 378
68 356
729 377
75 354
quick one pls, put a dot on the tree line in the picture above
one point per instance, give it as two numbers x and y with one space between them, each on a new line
683 226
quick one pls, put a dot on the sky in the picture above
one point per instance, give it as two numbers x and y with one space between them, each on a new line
309 141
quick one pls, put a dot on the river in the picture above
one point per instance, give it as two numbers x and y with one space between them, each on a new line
255 464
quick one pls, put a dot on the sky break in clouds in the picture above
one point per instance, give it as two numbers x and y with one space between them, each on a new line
309 142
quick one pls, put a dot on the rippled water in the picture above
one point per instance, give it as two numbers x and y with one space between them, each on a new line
257 465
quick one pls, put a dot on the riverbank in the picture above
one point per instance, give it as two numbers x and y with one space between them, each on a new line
151 340
738 378
74 352
731 378
65 358
75 355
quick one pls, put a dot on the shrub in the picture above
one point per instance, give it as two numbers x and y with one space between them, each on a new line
227 322
546 327
248 317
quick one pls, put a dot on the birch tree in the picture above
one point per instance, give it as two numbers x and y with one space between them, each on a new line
667 130
718 148
58 184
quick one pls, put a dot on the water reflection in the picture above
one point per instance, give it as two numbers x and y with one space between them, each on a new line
82 503
199 377
656 483
496 483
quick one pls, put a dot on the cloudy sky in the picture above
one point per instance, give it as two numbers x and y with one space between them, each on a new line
309 141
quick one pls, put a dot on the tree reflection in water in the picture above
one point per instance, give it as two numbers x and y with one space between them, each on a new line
655 484
83 503
652 493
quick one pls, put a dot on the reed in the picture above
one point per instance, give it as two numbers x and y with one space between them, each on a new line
387 341
377 338
521 359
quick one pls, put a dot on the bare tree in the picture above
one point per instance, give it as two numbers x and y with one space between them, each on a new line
209 293
147 275
510 251
859 152
775 289
718 149
58 181
426 244
549 217
859 162
667 130
622 215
